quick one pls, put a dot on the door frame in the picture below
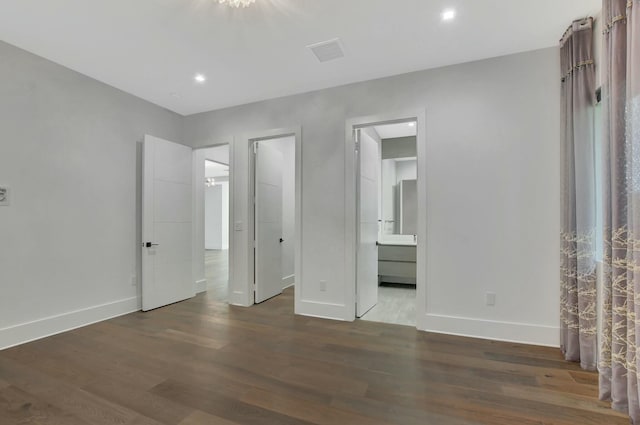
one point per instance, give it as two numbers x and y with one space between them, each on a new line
200 282
246 141
351 201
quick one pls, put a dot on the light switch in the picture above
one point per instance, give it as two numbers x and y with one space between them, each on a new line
4 196
237 226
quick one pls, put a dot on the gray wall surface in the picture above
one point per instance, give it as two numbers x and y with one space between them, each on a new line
69 151
399 147
493 198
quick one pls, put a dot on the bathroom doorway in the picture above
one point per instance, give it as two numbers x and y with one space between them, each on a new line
386 241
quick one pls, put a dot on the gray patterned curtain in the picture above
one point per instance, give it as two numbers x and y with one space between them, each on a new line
578 265
619 360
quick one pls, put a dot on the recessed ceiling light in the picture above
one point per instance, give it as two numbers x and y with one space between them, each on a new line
200 78
448 14
412 124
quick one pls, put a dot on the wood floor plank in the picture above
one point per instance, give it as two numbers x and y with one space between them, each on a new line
143 402
205 362
67 397
227 407
305 410
202 418
19 407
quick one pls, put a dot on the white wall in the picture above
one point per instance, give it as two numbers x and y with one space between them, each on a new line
216 200
493 197
70 150
406 170
213 217
216 207
286 146
399 147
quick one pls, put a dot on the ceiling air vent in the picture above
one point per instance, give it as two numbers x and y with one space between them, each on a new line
327 50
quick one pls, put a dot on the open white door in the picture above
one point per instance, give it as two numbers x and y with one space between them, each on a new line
166 223
367 226
268 222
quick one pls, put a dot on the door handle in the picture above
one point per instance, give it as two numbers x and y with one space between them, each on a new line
149 244
281 240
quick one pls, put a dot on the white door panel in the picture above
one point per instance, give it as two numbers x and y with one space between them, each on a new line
368 206
171 162
369 158
268 222
267 211
367 215
167 223
172 202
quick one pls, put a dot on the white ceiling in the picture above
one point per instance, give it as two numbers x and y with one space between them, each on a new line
391 131
213 169
153 48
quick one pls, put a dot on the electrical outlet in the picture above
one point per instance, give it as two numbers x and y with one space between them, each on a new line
490 299
323 286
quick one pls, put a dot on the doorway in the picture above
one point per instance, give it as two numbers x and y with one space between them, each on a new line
388 238
216 221
274 206
211 216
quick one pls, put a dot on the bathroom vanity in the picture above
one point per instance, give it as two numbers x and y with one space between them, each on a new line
397 262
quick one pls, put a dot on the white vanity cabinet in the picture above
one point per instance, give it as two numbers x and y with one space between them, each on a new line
397 263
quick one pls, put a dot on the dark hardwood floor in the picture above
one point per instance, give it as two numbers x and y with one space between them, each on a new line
203 362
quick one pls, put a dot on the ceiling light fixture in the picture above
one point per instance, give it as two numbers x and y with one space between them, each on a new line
412 124
200 78
237 3
448 15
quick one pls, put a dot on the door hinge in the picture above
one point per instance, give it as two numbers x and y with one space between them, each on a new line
255 147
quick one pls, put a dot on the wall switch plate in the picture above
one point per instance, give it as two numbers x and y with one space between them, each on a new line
490 298
237 226
323 286
4 196
134 280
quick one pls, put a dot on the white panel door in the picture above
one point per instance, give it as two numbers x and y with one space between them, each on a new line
268 222
367 216
166 223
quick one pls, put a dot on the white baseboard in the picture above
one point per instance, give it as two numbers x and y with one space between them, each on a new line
288 281
321 310
41 328
201 286
522 333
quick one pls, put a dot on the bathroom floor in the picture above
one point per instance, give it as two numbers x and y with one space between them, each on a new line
396 304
